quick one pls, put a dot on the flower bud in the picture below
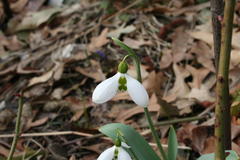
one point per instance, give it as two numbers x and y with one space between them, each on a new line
118 142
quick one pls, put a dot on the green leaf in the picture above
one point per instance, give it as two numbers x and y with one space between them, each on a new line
232 156
123 46
139 146
172 144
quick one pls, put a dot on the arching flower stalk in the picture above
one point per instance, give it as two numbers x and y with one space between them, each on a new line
121 81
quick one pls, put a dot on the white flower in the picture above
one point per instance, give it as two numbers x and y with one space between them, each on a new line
118 152
107 89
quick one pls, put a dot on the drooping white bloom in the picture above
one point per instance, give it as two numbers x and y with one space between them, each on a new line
107 89
114 152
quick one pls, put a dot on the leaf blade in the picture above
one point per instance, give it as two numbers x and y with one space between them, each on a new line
172 144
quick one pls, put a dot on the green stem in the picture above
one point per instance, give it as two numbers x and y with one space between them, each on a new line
149 119
17 128
222 110
154 133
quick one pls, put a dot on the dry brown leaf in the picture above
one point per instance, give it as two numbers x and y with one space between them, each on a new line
57 93
208 37
35 91
180 88
58 71
6 116
132 71
209 145
118 108
77 115
89 157
72 157
54 105
181 42
199 136
4 151
99 41
121 30
234 76
235 58
94 71
198 75
200 90
11 43
41 79
204 55
184 133
136 44
192 8
34 5
166 59
185 105
195 136
201 94
202 35
95 148
74 87
153 107
18 5
235 131
154 82
55 73
36 123
27 115
32 19
77 106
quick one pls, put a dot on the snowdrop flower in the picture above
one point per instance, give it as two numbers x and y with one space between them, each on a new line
121 81
115 153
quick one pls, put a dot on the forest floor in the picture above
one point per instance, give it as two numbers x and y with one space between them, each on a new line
58 53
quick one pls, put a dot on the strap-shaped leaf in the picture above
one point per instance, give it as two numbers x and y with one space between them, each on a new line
123 46
172 144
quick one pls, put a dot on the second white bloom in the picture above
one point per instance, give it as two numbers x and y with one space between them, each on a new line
109 154
107 89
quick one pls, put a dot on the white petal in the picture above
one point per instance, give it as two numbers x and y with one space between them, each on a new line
106 90
107 154
123 155
137 92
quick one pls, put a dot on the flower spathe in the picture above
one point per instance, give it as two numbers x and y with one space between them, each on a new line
116 153
107 89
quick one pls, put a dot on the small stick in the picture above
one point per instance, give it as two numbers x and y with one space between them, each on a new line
179 120
48 134
17 127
